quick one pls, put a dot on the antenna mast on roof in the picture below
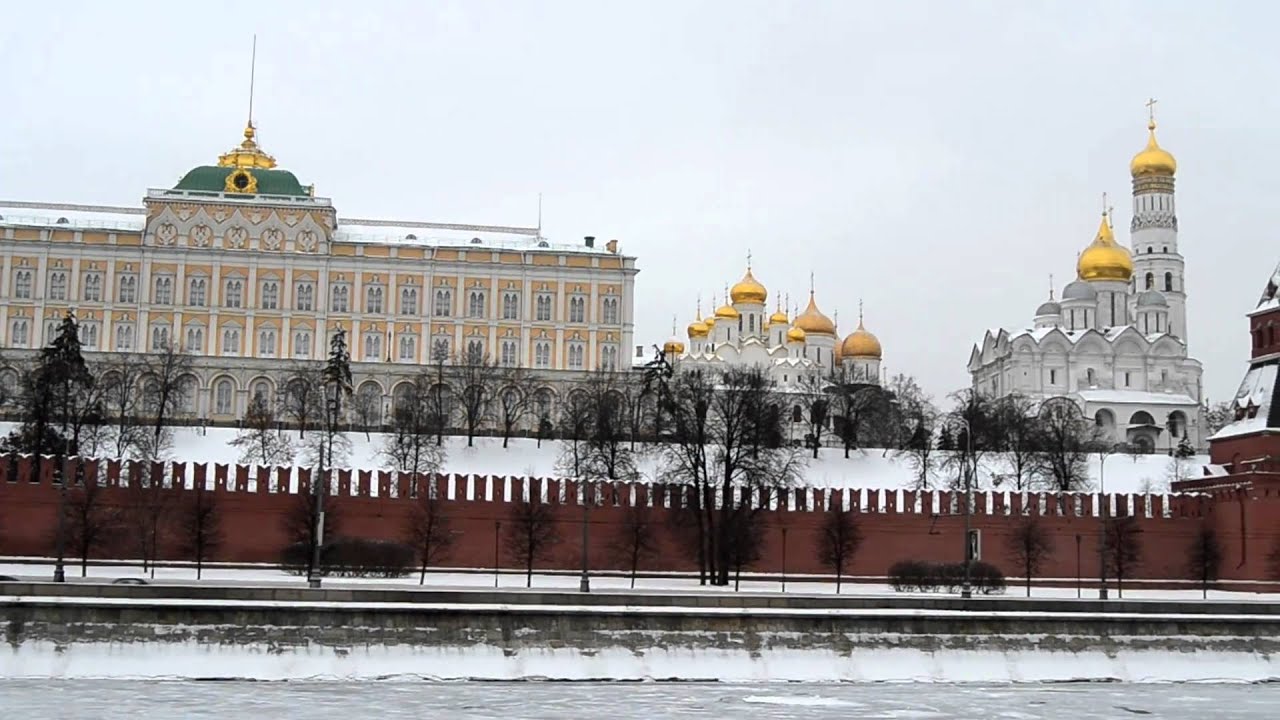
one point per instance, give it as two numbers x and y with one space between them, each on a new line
253 66
539 216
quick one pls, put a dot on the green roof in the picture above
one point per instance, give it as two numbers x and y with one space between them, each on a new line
213 178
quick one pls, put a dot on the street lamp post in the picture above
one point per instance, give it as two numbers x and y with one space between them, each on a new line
59 569
784 560
497 537
966 590
584 583
1102 516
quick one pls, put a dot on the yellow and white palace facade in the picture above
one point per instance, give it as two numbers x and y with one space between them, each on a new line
248 271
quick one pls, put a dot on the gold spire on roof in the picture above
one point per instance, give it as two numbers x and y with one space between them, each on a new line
779 317
248 154
1153 160
698 329
727 311
812 320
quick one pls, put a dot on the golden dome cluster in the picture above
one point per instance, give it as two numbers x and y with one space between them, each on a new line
1153 161
1104 259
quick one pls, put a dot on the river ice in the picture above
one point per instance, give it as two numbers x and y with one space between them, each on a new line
95 699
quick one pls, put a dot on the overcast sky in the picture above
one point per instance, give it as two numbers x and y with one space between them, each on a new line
938 160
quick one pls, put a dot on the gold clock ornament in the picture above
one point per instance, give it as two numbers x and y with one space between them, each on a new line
241 181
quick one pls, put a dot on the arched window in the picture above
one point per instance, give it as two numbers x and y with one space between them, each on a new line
1151 281
304 296
22 285
372 346
797 414
510 306
475 352
197 289
409 301
373 299
93 287
340 298
509 353
128 291
58 285
21 333
222 397
443 306
266 343
543 309
270 295
124 338
610 311
231 342
302 344
440 350
542 354
234 294
1168 282
475 304
407 344
577 309
195 341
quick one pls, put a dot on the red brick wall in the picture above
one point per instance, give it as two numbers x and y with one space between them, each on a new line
895 525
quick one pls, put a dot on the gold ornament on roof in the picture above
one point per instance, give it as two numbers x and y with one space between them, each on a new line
241 181
1104 259
795 334
247 154
1153 160
698 329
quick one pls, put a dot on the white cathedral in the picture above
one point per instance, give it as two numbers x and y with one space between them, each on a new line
743 332
1116 342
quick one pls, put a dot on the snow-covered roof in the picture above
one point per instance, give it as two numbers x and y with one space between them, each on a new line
72 217
1134 397
399 232
1255 396
1269 300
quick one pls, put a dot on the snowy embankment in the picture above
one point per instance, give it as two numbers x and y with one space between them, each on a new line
870 468
195 639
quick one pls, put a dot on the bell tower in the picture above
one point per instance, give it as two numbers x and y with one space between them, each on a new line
1153 232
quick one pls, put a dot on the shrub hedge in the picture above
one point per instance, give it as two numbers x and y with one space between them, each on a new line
352 557
922 576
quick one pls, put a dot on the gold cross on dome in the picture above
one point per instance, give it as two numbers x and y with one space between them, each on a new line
1151 109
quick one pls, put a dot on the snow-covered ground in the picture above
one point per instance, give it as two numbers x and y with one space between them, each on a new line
666 585
863 469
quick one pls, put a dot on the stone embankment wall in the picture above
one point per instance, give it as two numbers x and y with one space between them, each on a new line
277 634
254 504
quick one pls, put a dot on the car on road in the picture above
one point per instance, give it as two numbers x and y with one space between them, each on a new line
128 581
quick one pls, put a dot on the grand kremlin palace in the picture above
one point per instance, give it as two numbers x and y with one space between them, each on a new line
248 270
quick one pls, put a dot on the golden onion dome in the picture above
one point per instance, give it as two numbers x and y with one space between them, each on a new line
673 346
813 321
698 330
748 290
1104 259
795 334
861 343
1153 160
779 318
727 312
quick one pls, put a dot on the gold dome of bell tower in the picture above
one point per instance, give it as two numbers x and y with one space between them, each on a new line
1153 161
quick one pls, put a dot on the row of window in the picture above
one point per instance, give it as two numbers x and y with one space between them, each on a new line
305 297
303 343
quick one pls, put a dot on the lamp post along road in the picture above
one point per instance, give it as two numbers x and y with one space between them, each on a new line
584 583
967 470
1102 516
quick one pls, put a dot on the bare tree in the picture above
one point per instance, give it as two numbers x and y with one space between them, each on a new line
636 541
166 387
857 408
1019 436
148 511
302 398
91 524
478 377
427 530
515 400
1064 446
1217 416
975 420
199 526
1204 557
366 407
816 403
839 540
440 400
532 534
729 443
411 446
609 454
1123 549
575 434
301 524
259 439
1030 545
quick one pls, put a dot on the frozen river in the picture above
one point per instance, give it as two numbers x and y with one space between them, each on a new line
94 699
